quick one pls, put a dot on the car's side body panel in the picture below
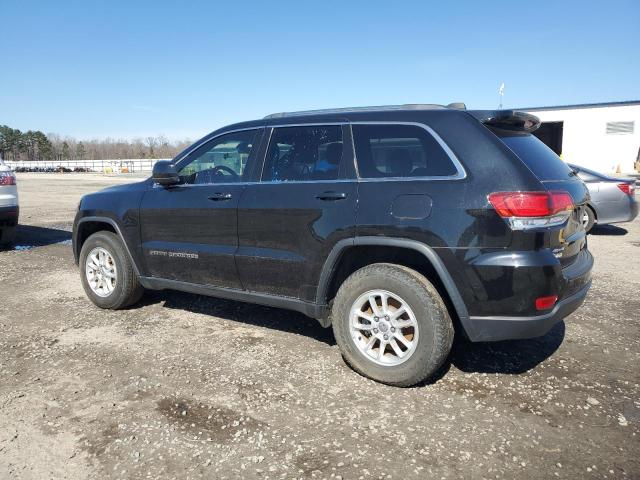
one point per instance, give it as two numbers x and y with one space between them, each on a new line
609 203
9 204
187 236
119 207
286 232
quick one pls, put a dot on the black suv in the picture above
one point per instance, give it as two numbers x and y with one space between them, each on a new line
395 225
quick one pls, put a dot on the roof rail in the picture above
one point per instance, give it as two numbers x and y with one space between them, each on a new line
408 106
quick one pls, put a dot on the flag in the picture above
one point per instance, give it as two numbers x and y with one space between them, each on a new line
501 91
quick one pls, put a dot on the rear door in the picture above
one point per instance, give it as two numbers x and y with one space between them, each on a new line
190 231
304 203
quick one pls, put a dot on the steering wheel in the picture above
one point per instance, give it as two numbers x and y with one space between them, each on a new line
207 176
226 169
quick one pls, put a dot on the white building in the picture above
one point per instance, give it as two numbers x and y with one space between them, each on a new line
602 136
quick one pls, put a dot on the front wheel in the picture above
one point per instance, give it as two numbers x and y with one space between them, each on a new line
391 324
107 274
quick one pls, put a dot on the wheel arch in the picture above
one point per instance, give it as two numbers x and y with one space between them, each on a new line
87 226
410 253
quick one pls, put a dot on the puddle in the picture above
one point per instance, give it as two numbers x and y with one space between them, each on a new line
216 422
22 248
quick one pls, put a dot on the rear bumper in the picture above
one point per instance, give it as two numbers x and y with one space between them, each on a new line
9 216
493 329
573 283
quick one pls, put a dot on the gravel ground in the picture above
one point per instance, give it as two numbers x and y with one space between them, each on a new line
182 386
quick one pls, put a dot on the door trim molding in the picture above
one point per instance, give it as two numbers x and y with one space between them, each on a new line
310 309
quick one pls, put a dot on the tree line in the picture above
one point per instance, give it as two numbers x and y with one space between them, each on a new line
35 145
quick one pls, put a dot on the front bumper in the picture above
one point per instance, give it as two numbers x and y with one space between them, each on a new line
493 329
9 216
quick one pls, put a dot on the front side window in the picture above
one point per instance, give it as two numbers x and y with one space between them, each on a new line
392 151
221 160
303 154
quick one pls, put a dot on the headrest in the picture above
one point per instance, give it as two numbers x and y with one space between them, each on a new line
243 147
334 153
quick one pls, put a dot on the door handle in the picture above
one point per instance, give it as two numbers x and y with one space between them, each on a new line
331 196
219 196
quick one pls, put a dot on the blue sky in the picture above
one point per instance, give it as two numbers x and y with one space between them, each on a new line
135 68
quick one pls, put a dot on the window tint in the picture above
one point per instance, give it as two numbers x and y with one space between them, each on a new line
222 160
540 159
399 151
304 153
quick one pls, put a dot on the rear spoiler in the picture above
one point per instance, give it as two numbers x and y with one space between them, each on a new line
507 119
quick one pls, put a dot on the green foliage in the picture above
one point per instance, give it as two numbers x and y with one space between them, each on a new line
35 145
15 145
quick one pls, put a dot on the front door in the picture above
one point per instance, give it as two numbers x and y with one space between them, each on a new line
305 202
190 231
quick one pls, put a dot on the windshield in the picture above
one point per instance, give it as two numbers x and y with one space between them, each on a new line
540 159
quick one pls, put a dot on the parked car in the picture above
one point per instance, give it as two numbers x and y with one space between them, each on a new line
612 200
394 225
8 204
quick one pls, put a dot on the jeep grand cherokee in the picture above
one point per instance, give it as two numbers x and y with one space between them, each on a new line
394 225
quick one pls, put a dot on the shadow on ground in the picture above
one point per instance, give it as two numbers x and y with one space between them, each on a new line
608 230
507 357
29 236
258 315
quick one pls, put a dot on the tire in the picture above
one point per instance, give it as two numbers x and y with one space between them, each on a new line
127 289
591 219
7 236
431 342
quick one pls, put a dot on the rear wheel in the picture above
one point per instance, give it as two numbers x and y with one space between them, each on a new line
588 219
107 274
391 324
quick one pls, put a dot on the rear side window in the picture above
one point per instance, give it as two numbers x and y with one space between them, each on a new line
303 154
392 151
540 159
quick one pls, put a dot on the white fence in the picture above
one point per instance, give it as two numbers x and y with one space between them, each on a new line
131 165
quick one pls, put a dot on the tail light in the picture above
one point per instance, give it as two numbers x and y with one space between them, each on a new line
628 188
7 178
524 210
546 303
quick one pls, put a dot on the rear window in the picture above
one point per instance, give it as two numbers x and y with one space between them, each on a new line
540 159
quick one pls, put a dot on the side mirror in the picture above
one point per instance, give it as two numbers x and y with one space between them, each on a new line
165 173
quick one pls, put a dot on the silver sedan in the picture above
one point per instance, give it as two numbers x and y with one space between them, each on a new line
612 199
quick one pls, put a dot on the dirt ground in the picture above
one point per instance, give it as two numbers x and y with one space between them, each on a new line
182 386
